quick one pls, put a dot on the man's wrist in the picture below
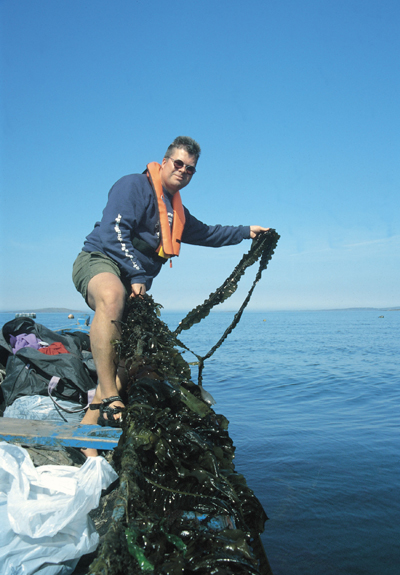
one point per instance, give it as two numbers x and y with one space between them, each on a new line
246 232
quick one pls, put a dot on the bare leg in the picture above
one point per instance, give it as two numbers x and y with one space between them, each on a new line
106 296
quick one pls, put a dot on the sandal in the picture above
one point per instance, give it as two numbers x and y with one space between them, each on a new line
105 408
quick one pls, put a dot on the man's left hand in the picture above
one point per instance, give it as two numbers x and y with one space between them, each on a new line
255 230
137 289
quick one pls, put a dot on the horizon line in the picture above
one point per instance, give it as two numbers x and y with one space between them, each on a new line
89 311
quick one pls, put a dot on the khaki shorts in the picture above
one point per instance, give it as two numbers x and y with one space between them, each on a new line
87 265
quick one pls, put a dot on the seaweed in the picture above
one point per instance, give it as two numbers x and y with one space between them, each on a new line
181 508
262 248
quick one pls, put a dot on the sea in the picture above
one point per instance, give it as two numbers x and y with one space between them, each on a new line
313 400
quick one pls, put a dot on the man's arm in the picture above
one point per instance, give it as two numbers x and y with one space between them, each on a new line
198 233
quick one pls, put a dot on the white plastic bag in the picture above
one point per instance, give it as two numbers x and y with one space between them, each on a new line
44 522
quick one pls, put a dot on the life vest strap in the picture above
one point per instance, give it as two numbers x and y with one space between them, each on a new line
170 242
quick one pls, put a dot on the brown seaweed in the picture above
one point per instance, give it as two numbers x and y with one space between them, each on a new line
181 508
262 249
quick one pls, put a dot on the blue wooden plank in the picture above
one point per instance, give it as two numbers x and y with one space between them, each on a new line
58 434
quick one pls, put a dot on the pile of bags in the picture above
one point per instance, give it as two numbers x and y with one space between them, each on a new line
47 375
44 523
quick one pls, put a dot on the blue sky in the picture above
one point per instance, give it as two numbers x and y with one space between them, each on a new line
294 103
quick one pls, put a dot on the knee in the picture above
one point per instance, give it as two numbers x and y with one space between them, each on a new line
113 301
109 299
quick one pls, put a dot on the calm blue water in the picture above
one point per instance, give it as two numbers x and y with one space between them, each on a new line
313 399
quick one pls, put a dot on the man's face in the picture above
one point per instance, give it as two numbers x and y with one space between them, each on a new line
174 179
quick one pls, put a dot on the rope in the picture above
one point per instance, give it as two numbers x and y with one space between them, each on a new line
262 249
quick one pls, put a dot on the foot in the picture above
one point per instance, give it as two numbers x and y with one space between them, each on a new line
106 411
110 411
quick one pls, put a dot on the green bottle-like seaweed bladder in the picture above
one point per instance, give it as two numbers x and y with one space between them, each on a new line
136 551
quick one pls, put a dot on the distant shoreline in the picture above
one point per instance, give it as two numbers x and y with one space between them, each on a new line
47 310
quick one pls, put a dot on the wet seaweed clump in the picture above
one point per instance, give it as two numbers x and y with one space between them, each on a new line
146 343
181 507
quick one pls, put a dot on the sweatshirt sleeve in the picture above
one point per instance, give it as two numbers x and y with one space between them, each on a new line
125 208
200 234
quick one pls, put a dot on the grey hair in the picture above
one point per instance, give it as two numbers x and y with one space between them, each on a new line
185 143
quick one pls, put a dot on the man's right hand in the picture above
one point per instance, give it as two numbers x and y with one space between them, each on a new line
137 289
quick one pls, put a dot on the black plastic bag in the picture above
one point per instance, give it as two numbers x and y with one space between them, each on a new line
29 371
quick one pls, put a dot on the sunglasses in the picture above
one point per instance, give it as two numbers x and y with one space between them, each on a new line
178 164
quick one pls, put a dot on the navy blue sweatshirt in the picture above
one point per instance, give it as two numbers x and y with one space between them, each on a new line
132 211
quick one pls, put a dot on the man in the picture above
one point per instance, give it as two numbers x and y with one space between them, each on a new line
143 225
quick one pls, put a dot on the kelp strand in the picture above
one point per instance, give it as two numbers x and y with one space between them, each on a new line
262 248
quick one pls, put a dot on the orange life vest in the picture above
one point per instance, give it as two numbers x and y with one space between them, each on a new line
170 244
